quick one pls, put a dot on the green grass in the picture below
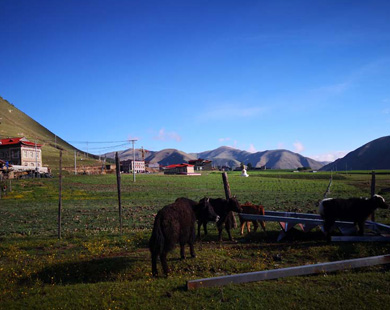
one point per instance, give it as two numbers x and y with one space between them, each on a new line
94 267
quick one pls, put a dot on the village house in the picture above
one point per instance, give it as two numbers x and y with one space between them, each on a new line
201 164
128 165
184 169
21 152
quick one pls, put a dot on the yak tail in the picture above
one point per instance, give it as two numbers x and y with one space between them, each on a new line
157 240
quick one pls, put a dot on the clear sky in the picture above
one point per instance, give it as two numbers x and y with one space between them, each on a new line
309 76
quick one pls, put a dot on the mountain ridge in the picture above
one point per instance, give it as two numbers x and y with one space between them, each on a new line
374 155
227 156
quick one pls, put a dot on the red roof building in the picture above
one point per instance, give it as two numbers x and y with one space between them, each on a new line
185 169
20 151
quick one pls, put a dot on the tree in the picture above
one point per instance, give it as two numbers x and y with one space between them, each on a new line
250 167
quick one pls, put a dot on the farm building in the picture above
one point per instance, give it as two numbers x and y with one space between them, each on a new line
20 151
201 164
128 165
185 169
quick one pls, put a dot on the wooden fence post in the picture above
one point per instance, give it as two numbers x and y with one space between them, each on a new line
226 185
60 198
118 182
373 192
228 194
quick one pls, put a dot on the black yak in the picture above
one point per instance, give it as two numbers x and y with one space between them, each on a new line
250 208
175 223
355 210
223 208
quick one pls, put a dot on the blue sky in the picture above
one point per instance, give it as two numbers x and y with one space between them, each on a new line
312 77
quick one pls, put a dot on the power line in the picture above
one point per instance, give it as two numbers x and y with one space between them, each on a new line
101 142
108 147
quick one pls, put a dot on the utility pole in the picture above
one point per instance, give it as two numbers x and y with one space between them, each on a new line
133 142
75 164
118 182
59 218
36 159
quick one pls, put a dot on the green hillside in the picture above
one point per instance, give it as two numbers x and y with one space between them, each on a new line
15 123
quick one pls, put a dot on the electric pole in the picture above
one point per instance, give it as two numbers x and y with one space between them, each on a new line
133 142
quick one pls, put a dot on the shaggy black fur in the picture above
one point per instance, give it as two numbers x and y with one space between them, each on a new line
224 209
175 223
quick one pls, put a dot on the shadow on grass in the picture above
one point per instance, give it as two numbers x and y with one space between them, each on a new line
92 271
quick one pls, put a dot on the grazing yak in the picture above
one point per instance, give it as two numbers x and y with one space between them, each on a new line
355 210
250 208
223 208
175 223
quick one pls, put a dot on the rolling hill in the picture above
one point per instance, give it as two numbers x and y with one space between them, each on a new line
15 123
374 155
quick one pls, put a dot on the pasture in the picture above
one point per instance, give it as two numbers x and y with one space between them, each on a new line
94 267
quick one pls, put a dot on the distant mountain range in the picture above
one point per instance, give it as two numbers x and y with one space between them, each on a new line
227 156
164 157
374 155
274 159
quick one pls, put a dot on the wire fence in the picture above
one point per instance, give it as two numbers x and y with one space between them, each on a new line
90 203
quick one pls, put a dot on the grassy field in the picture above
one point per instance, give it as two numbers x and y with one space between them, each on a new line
94 267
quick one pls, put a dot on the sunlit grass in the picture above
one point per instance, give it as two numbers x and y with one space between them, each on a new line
93 266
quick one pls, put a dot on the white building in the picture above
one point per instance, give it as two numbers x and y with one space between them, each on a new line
128 166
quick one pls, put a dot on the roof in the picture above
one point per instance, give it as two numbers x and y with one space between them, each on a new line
200 160
14 141
177 166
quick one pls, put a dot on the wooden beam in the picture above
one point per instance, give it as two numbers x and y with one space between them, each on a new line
379 227
284 219
301 220
289 272
293 214
360 239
